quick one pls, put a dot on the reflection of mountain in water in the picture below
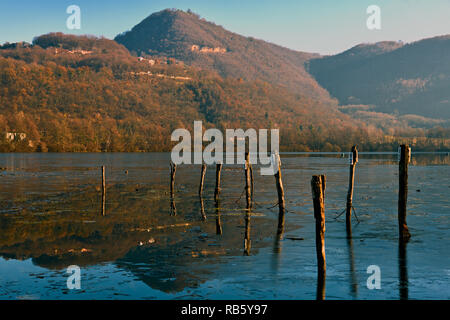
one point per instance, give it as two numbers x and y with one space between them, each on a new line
167 252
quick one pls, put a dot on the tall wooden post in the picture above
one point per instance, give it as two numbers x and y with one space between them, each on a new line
248 183
252 183
351 181
103 191
318 185
217 189
280 192
173 170
405 155
202 180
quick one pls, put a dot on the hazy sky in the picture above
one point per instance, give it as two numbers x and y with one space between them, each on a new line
324 26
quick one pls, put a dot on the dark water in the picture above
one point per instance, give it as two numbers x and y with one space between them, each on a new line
50 218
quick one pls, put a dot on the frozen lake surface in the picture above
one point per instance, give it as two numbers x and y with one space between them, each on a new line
50 219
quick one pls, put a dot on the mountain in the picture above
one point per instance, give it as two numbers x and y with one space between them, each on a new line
197 42
394 78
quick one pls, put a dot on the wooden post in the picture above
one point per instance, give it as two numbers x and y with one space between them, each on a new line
217 189
252 184
318 185
351 181
173 171
280 192
103 191
405 154
202 179
248 182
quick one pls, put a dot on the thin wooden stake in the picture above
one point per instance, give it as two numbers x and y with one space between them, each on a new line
318 185
280 192
103 191
217 189
403 192
351 181
202 180
173 171
248 182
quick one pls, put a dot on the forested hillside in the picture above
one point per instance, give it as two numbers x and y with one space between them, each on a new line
69 93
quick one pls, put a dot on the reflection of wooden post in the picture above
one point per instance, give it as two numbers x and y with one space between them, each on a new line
403 270
354 280
217 189
173 170
248 183
280 192
318 185
202 209
348 211
173 207
403 192
103 191
247 241
202 179
218 222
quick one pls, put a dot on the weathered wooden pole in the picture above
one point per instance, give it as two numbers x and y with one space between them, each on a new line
173 170
280 192
351 181
405 155
252 184
217 189
318 185
103 191
248 183
202 180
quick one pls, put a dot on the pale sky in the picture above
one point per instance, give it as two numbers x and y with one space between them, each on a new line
323 26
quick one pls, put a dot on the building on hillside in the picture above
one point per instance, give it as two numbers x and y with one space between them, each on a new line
11 136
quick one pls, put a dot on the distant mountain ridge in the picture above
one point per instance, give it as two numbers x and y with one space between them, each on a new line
405 79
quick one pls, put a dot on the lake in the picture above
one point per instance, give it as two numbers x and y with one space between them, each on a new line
144 247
